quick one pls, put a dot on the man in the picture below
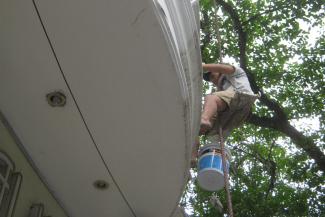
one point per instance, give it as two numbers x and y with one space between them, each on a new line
229 80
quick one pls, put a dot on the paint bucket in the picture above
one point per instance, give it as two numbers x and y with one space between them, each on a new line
210 170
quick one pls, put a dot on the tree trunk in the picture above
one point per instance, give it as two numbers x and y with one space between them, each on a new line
301 141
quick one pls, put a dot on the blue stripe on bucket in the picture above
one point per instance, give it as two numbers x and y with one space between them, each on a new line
212 161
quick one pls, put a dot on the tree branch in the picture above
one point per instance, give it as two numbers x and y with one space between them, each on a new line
272 170
268 163
274 106
253 18
280 120
264 122
238 28
302 141
242 42
207 36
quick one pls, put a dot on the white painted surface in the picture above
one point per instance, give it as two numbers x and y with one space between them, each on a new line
31 190
55 138
125 80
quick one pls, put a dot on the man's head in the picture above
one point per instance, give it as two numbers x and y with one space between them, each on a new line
212 77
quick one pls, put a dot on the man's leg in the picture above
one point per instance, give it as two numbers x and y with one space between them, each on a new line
212 104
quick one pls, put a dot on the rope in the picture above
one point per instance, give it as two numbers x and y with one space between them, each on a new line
222 145
225 174
219 42
223 155
217 30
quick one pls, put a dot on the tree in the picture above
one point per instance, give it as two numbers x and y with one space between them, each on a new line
277 169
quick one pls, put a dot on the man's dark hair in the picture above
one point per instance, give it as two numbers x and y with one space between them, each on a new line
206 76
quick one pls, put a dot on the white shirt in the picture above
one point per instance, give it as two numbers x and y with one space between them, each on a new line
237 81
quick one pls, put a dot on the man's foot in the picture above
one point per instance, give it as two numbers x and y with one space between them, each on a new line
205 126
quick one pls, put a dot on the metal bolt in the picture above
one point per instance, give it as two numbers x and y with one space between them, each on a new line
101 184
56 99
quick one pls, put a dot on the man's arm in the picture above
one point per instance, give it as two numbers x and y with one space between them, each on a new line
221 68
